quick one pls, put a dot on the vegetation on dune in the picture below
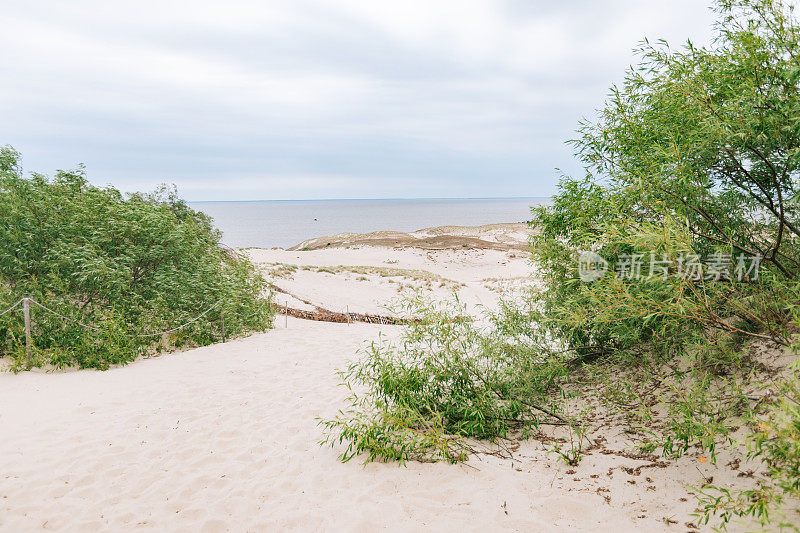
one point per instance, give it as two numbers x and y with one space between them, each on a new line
428 279
691 197
446 379
120 268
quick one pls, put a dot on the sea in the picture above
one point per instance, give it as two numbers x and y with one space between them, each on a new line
285 223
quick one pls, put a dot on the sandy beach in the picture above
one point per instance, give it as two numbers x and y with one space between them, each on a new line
226 437
348 266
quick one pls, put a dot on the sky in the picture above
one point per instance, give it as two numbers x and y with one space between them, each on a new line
313 99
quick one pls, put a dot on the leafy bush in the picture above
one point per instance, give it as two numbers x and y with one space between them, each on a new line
696 153
448 378
695 156
120 268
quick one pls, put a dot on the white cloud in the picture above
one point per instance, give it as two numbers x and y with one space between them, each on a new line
344 95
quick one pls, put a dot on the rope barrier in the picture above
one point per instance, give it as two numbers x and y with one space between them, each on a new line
261 308
195 319
198 317
12 307
27 318
31 300
319 314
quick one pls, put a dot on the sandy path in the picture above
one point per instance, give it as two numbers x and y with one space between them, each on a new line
225 438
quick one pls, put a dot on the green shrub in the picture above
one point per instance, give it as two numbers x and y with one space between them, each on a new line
697 154
123 266
448 378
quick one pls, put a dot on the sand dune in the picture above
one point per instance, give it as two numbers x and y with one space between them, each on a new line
324 277
507 236
224 438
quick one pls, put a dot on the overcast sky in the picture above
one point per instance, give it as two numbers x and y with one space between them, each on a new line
304 99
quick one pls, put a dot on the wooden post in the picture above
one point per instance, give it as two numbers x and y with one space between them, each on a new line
348 313
222 317
26 312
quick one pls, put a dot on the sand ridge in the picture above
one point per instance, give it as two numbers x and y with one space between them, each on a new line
370 279
506 236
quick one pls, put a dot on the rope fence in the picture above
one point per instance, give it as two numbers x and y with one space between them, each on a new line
317 314
12 307
26 309
144 335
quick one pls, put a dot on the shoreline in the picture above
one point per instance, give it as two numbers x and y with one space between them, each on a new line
500 236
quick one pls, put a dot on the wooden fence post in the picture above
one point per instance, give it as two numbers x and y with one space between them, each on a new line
222 317
26 312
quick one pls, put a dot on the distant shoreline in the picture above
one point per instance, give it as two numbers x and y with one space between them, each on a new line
432 198
501 236
284 224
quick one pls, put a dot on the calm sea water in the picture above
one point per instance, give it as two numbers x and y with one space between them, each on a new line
266 224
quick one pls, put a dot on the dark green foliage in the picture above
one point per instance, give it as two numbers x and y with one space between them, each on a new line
123 265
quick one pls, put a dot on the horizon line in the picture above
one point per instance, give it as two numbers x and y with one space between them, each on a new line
375 199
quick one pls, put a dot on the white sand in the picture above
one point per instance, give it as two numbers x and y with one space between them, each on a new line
478 276
225 438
